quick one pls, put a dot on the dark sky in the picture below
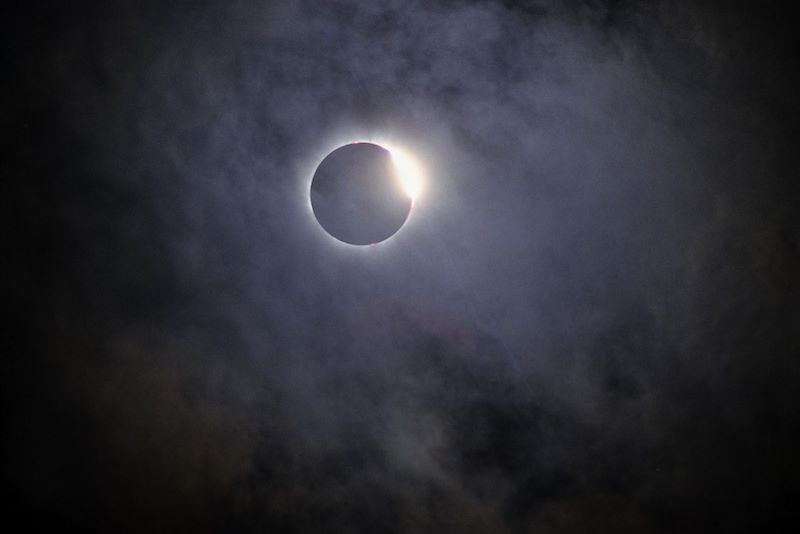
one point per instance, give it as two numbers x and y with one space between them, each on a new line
589 324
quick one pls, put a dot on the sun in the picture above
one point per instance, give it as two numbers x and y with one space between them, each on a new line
407 169
408 172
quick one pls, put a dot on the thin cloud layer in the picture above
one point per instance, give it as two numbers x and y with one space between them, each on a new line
588 323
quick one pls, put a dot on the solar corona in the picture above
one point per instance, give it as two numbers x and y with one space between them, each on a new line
362 193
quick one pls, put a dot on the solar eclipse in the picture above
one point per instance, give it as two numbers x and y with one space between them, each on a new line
362 192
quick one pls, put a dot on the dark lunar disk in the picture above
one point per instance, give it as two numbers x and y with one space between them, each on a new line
356 195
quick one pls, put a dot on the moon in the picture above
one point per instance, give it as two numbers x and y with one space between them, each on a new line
362 193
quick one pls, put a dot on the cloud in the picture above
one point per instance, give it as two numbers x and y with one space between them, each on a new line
586 324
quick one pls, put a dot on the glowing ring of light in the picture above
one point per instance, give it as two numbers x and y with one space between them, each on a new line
408 173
